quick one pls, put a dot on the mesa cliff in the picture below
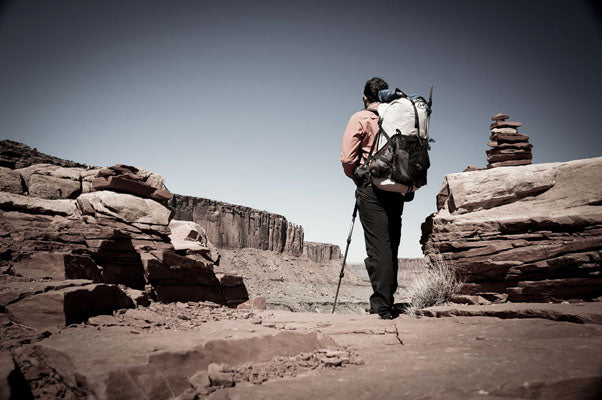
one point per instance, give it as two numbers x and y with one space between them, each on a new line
234 226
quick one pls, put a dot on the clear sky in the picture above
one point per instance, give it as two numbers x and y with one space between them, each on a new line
246 101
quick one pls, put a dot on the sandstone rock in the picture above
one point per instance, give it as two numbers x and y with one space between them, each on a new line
500 156
509 163
51 181
10 181
467 192
120 261
509 137
161 363
57 266
511 145
87 177
189 238
124 207
7 372
505 130
232 226
32 205
200 380
218 376
532 233
12 292
177 278
69 305
468 299
18 155
256 303
233 289
580 314
321 252
500 116
505 124
132 180
139 297
187 231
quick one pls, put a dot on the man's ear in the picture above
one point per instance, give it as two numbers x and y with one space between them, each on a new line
365 100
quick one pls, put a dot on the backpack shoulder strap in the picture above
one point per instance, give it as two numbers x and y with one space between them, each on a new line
367 159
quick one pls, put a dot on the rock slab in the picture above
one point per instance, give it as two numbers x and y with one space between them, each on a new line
532 232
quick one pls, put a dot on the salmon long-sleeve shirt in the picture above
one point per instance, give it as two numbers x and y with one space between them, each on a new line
358 137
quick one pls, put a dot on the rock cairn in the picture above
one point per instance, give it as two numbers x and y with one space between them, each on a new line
509 147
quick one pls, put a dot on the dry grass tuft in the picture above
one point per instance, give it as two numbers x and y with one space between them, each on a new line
435 283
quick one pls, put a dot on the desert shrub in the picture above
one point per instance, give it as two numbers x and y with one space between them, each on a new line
435 283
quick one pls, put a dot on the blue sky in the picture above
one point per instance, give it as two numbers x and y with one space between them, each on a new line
246 102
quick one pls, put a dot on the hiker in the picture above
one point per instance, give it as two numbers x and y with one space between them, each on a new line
380 211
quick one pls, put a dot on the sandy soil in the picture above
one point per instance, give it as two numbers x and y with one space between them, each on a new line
299 284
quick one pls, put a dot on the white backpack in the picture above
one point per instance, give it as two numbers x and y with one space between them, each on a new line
398 159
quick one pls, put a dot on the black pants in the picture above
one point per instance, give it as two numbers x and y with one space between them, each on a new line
380 214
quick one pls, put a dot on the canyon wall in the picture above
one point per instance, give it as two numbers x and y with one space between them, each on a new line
234 226
321 252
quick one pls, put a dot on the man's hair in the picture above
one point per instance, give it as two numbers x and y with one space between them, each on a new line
373 86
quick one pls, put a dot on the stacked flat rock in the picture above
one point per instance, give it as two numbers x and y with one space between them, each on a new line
132 180
509 147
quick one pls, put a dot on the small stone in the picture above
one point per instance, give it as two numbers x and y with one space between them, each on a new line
218 377
500 117
200 380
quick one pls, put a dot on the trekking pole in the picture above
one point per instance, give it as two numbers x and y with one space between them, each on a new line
428 111
342 274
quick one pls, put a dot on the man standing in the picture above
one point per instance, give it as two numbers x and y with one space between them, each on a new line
380 211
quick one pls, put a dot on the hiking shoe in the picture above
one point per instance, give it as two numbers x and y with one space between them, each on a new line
388 315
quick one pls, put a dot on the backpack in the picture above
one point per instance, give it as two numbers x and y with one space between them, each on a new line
398 160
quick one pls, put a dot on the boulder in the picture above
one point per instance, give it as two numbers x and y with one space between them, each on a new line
7 372
127 208
187 235
33 205
233 289
61 307
132 180
51 181
532 233
178 278
11 292
10 181
57 266
256 303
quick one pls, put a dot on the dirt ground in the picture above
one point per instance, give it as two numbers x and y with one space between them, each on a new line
296 283
299 284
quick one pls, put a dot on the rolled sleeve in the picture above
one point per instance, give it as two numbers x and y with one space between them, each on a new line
352 141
